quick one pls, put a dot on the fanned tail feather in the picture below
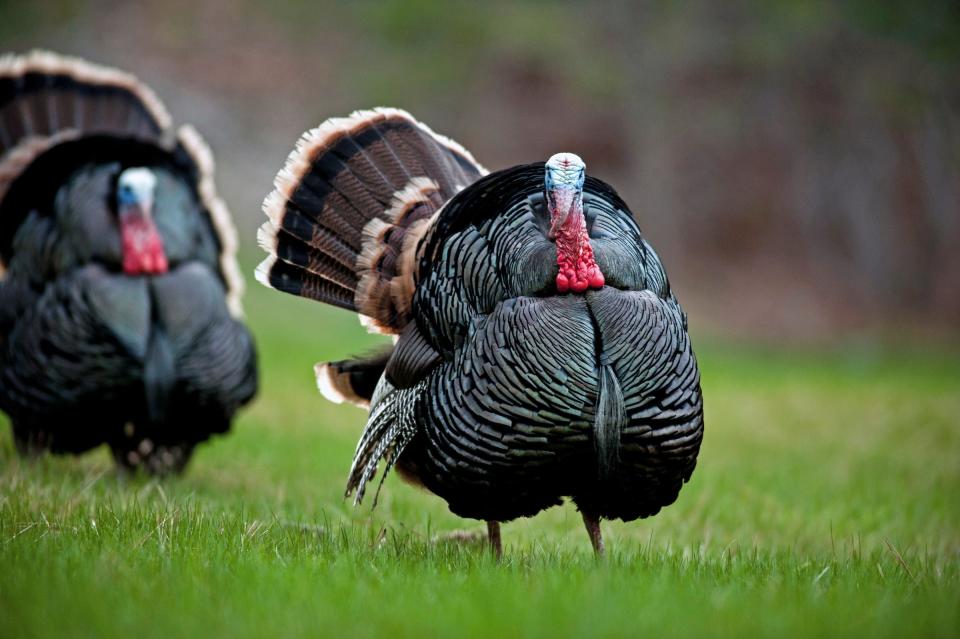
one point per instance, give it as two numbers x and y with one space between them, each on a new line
191 145
351 200
47 99
352 380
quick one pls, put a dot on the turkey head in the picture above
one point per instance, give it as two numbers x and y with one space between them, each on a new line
563 187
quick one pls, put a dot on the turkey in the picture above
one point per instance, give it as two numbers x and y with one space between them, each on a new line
539 352
119 288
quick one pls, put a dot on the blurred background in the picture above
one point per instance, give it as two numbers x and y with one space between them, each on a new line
796 164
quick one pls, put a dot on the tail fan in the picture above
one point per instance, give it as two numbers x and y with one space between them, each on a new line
349 206
47 99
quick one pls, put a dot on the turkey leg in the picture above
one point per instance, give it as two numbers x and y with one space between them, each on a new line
593 529
493 537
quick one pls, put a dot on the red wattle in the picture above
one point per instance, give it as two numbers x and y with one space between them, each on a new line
578 271
143 252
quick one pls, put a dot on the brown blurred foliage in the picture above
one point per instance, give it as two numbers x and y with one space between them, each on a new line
797 164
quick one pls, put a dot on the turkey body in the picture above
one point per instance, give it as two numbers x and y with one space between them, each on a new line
509 418
539 352
89 354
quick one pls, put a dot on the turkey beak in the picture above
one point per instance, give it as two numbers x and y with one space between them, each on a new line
138 209
561 202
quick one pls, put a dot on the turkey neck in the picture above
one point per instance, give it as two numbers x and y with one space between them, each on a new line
577 269
143 252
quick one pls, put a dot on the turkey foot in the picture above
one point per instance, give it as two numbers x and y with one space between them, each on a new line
155 459
475 537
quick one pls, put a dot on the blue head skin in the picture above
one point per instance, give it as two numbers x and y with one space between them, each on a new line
135 189
563 185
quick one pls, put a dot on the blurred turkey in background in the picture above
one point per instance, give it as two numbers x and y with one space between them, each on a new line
796 164
120 292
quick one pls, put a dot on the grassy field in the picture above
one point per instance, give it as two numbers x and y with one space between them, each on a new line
825 502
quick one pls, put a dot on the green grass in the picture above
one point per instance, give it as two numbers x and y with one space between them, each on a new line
825 502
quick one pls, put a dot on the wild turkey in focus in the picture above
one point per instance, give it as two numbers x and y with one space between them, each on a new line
539 351
119 288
